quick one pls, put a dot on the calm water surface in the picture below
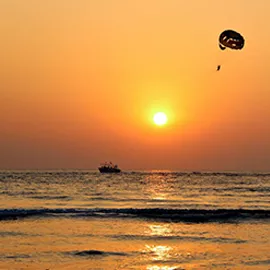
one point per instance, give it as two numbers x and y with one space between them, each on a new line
134 220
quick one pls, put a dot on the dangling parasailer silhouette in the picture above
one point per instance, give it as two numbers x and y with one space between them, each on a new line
218 67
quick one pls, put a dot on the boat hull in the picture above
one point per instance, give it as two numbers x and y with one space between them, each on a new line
109 170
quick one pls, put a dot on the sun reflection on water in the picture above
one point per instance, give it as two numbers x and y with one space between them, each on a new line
160 230
157 187
159 254
156 267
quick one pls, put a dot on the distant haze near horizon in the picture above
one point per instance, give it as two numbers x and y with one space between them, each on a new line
80 82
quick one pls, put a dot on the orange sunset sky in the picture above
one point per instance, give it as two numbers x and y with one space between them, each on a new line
80 82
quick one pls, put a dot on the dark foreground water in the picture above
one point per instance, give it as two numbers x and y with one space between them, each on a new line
134 220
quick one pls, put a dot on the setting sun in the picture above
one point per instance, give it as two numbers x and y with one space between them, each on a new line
160 118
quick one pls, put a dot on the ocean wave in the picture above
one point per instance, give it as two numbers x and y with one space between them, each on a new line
175 215
12 234
92 252
50 197
178 238
254 263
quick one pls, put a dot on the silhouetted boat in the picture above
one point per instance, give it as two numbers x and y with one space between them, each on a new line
109 168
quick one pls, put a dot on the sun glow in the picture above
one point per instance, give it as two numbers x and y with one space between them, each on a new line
160 118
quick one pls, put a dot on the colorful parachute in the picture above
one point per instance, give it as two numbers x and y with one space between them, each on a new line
231 39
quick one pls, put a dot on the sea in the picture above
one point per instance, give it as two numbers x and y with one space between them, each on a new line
79 219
